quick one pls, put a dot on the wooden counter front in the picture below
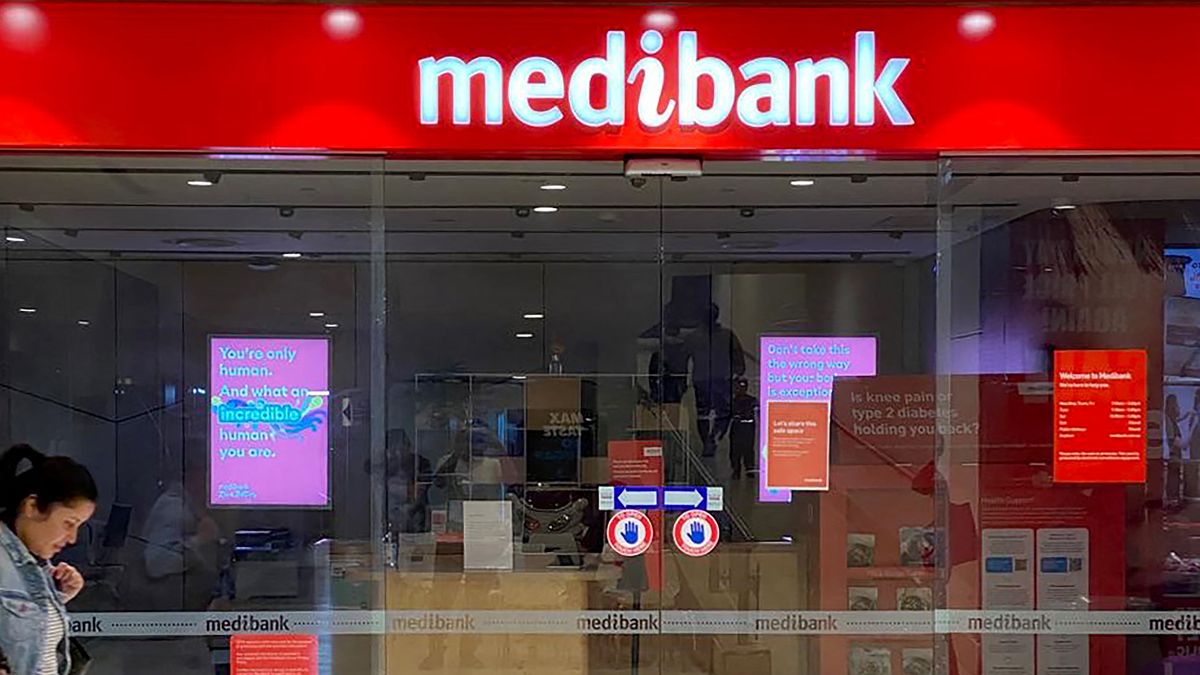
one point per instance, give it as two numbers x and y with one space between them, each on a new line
551 590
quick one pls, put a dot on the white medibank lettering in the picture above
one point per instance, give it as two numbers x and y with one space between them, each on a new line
612 68
460 73
536 87
521 90
773 91
691 69
654 78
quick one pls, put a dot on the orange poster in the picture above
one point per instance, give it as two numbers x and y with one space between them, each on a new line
1100 416
273 654
798 445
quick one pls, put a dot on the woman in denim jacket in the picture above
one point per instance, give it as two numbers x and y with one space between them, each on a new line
43 503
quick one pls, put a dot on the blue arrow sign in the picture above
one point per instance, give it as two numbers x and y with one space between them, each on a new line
684 498
636 497
670 498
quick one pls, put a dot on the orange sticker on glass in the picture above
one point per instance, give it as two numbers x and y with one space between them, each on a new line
273 654
798 445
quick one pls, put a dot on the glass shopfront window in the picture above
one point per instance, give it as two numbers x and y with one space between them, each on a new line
875 416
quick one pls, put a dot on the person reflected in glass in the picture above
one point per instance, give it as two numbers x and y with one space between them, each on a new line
182 543
43 503
717 360
407 497
743 429
470 470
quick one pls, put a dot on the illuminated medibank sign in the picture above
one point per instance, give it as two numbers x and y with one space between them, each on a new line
539 92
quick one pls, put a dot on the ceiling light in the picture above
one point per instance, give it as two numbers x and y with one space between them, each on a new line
519 377
554 186
14 240
331 325
545 209
803 182
200 182
316 315
293 256
1065 207
534 316
84 322
27 310
524 336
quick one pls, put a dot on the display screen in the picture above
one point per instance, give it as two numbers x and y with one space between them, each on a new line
269 422
795 387
1183 265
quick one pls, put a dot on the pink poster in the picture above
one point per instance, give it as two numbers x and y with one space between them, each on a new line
797 368
269 422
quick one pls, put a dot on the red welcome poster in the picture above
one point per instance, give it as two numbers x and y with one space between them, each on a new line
1100 416
273 654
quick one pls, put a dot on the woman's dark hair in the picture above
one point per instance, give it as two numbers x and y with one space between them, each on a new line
53 480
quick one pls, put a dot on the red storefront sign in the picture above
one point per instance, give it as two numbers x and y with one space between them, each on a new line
1100 416
596 81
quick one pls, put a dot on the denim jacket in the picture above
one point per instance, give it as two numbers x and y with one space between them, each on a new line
25 588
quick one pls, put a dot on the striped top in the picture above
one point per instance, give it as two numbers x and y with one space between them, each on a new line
55 632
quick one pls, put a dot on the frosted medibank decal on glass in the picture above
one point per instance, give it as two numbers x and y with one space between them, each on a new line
268 422
1100 416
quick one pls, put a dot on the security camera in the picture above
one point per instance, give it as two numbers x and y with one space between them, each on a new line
637 182
286 212
522 211
747 212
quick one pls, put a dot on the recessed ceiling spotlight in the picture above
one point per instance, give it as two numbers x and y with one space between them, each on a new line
803 182
14 239
293 256
553 186
84 322
27 310
545 209
331 325
316 315
518 377
200 182
524 336
747 212
1065 207
534 316
286 212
